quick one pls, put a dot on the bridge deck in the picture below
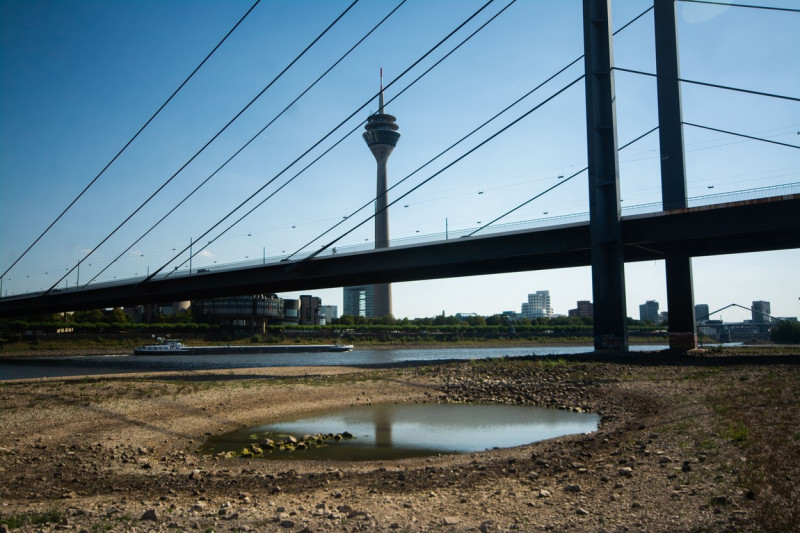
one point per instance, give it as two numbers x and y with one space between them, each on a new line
751 226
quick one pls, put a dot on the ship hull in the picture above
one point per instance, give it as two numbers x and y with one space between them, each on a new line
238 350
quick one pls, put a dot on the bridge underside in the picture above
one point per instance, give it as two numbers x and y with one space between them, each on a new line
754 226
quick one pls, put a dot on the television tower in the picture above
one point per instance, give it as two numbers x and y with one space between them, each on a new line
381 137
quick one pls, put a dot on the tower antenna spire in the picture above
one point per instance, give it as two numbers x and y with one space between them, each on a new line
380 98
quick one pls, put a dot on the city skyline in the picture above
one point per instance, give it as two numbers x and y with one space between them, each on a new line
78 79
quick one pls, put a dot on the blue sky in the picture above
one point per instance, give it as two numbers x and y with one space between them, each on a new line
79 78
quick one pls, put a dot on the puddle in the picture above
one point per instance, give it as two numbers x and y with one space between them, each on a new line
381 432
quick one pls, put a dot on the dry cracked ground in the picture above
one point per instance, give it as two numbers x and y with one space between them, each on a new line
702 443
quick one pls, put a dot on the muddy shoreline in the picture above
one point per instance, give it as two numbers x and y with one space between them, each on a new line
677 450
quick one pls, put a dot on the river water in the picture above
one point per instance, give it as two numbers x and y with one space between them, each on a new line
23 368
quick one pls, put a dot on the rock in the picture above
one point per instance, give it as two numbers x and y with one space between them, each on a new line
572 488
3 528
287 523
150 514
625 471
719 500
450 520
544 493
196 475
488 526
581 512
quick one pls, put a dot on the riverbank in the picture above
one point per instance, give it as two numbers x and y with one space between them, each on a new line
695 443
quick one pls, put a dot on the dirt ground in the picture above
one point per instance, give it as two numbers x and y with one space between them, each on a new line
702 443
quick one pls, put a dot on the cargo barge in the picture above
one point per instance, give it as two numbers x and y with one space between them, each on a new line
176 347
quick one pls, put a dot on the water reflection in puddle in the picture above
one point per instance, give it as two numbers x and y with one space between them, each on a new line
398 431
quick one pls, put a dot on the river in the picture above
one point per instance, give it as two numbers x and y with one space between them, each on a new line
60 366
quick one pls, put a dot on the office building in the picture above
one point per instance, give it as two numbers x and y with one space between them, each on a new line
537 306
329 312
585 309
648 312
359 301
310 310
254 312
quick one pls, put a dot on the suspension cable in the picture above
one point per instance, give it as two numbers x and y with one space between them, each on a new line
231 121
714 85
742 135
372 98
726 4
113 159
559 184
253 138
457 160
424 165
560 71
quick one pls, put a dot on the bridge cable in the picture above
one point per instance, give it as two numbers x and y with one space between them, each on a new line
742 135
346 135
452 163
372 98
440 154
789 9
714 85
559 184
253 138
159 189
113 159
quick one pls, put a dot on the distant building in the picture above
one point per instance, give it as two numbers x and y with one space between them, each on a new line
701 313
537 306
310 310
584 309
648 312
360 301
253 311
761 312
291 312
330 312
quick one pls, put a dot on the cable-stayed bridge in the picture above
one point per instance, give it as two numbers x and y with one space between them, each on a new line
674 229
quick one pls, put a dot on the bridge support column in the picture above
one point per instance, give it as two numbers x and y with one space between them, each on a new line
608 272
680 294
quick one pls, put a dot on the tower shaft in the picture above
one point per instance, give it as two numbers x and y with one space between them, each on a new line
381 136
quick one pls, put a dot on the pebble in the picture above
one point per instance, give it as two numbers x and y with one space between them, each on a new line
150 514
625 471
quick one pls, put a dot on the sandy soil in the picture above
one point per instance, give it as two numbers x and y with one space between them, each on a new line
694 444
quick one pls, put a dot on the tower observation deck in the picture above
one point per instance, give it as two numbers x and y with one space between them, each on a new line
381 138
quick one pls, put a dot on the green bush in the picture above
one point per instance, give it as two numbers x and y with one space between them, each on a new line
786 332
